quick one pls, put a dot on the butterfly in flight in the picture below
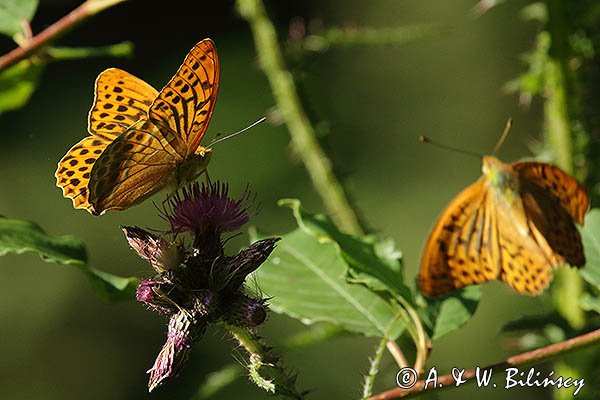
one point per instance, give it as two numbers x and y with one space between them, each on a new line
142 140
515 224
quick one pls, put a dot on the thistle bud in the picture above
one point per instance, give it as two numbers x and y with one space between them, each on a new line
248 260
184 330
152 294
161 254
244 311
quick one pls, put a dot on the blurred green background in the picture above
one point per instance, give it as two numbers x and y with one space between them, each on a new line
59 341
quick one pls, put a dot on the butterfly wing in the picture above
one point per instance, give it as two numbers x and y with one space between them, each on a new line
120 99
526 259
137 164
553 200
74 169
560 185
463 246
185 105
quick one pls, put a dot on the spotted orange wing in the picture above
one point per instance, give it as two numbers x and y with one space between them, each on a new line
145 158
463 245
137 164
120 99
485 234
185 105
554 201
526 259
558 184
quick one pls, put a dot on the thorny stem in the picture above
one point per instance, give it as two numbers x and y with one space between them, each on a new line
264 368
56 30
302 133
374 368
568 286
529 357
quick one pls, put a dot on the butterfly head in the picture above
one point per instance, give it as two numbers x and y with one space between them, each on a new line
500 177
203 152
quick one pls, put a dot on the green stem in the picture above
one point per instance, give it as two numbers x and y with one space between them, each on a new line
373 369
123 49
302 133
264 368
568 286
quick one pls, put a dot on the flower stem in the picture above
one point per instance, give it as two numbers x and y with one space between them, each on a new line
530 357
374 369
302 133
568 286
264 368
56 30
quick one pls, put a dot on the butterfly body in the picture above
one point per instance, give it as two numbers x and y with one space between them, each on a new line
515 224
192 167
142 140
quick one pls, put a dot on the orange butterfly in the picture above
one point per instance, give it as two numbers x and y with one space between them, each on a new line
515 224
142 140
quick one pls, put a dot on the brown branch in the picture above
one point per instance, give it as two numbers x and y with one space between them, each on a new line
56 30
530 357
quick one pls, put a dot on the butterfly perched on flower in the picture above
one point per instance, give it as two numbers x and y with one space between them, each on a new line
142 140
515 224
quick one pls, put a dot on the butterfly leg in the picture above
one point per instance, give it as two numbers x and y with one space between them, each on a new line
207 177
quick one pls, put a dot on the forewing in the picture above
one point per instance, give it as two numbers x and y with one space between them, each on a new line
463 246
184 106
120 100
74 169
134 166
569 193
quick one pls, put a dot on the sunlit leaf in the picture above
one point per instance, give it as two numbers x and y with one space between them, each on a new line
17 84
452 312
376 264
305 279
17 236
14 13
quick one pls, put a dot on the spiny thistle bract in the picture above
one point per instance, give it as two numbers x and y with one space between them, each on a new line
198 284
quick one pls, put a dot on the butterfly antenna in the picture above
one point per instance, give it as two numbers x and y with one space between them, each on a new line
218 139
427 139
504 135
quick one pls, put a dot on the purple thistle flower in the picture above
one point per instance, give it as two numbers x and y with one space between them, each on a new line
144 292
196 285
208 210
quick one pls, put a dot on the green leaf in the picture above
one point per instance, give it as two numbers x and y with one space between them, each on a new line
590 235
376 264
17 236
452 312
14 13
589 303
17 84
111 287
306 279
